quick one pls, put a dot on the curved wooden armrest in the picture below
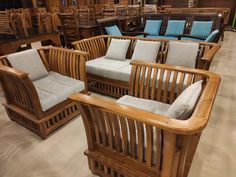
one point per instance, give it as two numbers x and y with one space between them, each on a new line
14 72
211 53
194 124
185 35
64 49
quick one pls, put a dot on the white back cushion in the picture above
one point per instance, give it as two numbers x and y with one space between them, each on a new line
117 49
146 51
28 61
182 53
183 106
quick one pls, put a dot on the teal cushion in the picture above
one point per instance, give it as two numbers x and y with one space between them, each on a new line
153 27
175 27
201 28
163 37
113 30
212 36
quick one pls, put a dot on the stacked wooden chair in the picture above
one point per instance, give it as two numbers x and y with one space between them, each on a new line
70 27
137 135
36 84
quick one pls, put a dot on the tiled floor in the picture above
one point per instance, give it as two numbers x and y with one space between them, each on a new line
23 154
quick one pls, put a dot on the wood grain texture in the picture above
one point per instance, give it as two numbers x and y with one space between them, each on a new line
133 142
97 47
22 101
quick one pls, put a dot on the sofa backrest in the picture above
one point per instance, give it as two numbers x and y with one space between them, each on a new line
97 47
217 21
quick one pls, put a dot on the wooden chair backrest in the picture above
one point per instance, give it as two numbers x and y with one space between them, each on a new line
70 27
86 16
18 25
5 23
45 23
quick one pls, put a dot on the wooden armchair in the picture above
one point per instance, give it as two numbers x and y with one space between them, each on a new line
110 26
126 141
25 98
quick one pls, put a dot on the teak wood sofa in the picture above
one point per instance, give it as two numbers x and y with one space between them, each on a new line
118 84
42 104
127 141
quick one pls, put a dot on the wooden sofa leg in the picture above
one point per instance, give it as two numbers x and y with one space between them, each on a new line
92 165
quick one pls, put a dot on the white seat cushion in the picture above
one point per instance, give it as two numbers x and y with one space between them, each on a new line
112 69
182 54
117 49
55 88
144 104
183 106
30 62
146 51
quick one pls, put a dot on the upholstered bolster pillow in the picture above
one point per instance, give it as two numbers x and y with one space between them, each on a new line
117 49
184 105
146 51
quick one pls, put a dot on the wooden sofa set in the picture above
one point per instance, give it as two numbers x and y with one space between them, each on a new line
122 140
98 46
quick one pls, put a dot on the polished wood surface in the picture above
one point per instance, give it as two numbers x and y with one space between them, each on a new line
22 101
13 45
126 141
97 47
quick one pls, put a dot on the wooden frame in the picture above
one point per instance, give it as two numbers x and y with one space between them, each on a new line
125 141
70 27
22 101
189 18
97 47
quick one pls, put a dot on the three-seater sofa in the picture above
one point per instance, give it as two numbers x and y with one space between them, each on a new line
111 76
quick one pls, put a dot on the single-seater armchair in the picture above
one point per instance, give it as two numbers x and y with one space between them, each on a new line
37 83
125 140
110 26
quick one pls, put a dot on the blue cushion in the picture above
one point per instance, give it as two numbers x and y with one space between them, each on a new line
113 30
175 27
162 37
201 28
153 27
212 36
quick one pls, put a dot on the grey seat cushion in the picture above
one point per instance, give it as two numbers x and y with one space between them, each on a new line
55 88
30 62
109 68
144 104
